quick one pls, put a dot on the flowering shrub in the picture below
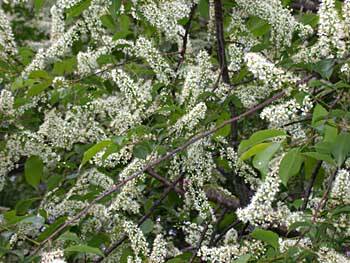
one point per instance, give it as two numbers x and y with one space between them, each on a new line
174 131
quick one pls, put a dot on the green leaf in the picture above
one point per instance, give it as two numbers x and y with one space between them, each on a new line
38 4
33 171
38 74
112 148
77 9
324 67
267 236
23 205
115 6
93 151
85 249
107 21
258 26
51 228
11 218
254 150
341 210
243 259
341 148
290 165
259 137
330 133
147 226
262 159
141 150
69 236
320 113
203 8
320 156
38 88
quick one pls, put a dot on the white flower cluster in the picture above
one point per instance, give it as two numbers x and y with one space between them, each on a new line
199 77
194 232
57 23
268 73
66 4
198 167
144 48
301 243
329 255
130 195
53 257
226 253
56 50
345 70
75 126
190 120
241 38
340 192
7 40
283 115
332 33
283 24
159 250
222 254
6 102
260 211
136 94
138 241
241 168
92 20
164 15
250 95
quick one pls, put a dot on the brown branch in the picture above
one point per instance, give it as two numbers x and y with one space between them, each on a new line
185 38
166 156
223 63
310 184
218 221
201 239
223 233
165 182
305 5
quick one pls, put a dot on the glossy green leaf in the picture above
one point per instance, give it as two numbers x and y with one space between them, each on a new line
324 67
93 151
85 249
243 259
259 137
107 21
319 114
51 228
147 226
254 150
33 171
266 236
320 156
262 159
38 88
290 165
38 4
341 148
77 9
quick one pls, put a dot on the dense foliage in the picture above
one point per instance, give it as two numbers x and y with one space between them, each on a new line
174 131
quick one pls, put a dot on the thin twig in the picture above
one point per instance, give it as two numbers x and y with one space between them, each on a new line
218 221
164 181
223 233
310 184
